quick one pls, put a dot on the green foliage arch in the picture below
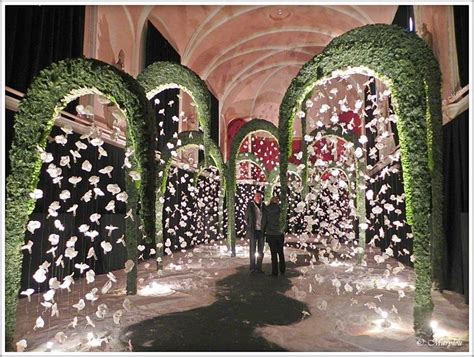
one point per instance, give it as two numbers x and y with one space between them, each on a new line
407 65
49 93
163 75
254 125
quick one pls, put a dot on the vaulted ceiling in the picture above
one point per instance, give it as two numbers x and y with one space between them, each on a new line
249 54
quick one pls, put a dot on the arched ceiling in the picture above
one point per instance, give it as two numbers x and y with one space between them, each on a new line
249 54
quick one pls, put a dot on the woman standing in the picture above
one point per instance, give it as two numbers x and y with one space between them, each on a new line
274 235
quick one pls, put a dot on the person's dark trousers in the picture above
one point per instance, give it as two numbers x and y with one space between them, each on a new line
255 243
278 257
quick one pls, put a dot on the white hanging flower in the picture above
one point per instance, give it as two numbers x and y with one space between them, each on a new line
27 246
369 194
71 242
70 253
54 239
122 196
102 152
106 246
33 226
36 194
65 161
60 139
107 170
90 276
102 310
86 166
80 305
67 282
110 206
46 157
377 210
134 175
28 293
87 196
94 180
80 145
54 171
91 234
110 228
91 253
21 345
95 217
58 225
54 283
60 337
324 108
65 195
97 142
92 295
39 323
98 192
75 180
49 295
113 188
363 139
116 316
81 267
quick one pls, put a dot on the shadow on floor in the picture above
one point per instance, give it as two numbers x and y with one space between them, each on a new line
244 302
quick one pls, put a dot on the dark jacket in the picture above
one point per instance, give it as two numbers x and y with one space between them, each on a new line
271 220
251 218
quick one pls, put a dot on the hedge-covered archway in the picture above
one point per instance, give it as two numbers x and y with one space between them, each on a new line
185 139
405 63
252 158
163 75
253 125
49 93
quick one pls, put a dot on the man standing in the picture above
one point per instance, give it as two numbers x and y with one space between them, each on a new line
253 218
274 235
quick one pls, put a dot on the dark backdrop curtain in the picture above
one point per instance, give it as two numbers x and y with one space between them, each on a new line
381 232
456 171
35 37
166 103
402 17
215 119
105 263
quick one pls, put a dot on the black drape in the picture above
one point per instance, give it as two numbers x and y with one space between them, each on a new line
378 226
461 22
165 103
456 173
215 119
403 15
105 263
456 191
35 37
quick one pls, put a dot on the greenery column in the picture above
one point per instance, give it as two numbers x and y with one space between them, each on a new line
132 233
